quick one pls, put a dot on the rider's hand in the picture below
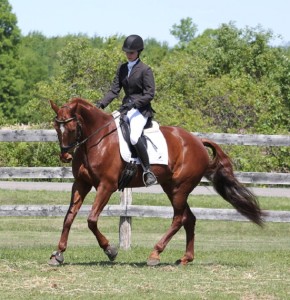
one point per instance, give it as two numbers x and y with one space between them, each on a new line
100 105
126 107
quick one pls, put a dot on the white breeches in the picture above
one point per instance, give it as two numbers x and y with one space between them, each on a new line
137 122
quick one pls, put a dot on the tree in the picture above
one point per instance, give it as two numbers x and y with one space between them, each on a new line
11 83
85 72
185 31
154 52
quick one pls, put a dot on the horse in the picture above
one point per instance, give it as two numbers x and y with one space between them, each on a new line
88 138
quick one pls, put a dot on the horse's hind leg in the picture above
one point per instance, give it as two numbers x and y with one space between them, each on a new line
188 222
78 194
182 217
154 258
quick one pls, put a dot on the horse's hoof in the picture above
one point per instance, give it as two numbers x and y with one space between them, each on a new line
56 259
151 262
182 262
111 252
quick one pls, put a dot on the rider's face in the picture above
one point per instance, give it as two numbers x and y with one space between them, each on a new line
132 55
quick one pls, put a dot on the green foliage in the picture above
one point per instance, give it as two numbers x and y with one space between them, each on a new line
223 80
177 80
11 84
185 31
84 72
29 154
9 32
154 53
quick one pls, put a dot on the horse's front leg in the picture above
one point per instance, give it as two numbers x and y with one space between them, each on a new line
102 198
78 194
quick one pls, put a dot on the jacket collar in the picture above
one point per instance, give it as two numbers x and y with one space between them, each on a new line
135 67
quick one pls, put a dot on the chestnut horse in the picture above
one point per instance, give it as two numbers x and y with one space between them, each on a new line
88 136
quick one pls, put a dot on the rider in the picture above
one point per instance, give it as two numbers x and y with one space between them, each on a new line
137 80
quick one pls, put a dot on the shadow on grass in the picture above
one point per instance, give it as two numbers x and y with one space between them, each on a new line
113 264
143 265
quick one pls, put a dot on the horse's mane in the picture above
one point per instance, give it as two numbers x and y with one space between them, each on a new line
78 100
79 105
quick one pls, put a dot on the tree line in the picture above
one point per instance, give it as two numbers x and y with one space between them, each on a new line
226 79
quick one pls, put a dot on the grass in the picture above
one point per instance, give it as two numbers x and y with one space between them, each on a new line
234 260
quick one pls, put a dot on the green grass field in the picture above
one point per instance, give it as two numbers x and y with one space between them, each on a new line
234 260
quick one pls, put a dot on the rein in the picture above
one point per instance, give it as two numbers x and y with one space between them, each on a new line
77 143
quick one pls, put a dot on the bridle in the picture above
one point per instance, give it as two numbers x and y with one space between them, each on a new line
78 134
79 142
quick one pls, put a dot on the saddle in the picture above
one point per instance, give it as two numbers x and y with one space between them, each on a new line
153 139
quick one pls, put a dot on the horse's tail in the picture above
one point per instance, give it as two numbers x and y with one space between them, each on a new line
220 173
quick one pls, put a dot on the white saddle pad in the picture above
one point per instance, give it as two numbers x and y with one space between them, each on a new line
156 144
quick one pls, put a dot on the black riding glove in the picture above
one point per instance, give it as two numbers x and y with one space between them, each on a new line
100 105
126 107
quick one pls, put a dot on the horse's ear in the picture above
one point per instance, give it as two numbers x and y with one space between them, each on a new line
54 106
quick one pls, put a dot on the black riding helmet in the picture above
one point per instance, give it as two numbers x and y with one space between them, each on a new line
133 42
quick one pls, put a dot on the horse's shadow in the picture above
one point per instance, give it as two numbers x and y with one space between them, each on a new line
144 264
112 264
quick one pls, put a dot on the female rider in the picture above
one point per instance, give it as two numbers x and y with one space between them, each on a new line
137 81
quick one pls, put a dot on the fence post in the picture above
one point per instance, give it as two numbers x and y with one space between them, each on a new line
125 222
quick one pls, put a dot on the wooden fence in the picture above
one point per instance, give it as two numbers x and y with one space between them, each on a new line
220 138
126 210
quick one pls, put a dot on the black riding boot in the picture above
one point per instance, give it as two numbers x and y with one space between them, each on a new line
148 177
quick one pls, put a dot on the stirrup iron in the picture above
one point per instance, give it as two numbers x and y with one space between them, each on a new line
148 181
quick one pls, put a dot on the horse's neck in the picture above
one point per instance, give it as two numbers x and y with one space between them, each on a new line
94 120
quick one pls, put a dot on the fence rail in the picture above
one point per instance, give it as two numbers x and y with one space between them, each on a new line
221 138
49 135
66 173
129 211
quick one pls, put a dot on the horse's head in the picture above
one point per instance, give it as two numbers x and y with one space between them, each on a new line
68 128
